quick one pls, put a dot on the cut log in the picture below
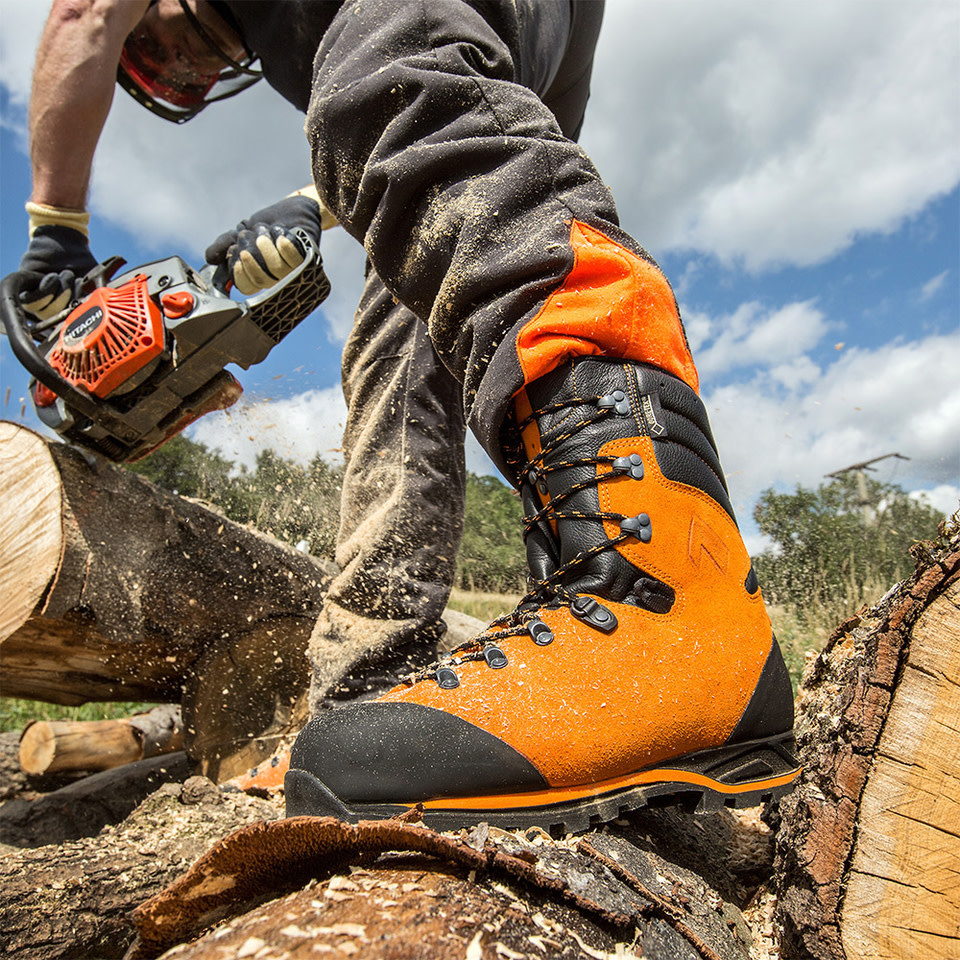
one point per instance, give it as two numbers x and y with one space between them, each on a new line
868 859
134 593
112 589
143 583
54 746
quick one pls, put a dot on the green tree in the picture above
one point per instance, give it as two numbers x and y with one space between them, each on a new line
839 546
492 555
289 501
186 467
281 497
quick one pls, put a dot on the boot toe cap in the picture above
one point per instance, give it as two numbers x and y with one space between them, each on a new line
381 752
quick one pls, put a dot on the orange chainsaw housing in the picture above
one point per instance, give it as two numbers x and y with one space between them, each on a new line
107 339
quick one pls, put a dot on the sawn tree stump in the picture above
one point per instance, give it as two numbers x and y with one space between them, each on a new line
868 852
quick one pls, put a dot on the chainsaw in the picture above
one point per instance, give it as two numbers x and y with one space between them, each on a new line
142 354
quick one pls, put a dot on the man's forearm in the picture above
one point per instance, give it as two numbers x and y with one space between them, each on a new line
73 85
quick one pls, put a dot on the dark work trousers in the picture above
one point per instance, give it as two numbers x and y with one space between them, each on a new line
401 509
442 137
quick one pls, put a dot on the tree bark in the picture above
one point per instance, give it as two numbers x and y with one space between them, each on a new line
665 885
868 852
113 589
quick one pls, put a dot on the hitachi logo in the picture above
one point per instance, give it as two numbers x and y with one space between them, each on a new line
84 324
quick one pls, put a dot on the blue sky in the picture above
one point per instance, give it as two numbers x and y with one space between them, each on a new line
793 167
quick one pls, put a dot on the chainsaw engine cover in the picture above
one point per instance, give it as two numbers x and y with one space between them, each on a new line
150 350
105 341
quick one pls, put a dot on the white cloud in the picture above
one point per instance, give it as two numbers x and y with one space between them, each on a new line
22 25
181 186
765 132
297 428
933 286
901 397
751 336
775 132
945 497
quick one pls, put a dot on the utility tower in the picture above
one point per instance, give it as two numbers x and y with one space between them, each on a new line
864 500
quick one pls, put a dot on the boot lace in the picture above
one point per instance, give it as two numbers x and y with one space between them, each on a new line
553 592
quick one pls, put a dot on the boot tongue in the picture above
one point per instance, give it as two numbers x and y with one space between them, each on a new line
543 553
572 426
579 409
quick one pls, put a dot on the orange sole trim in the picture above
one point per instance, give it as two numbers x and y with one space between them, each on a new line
664 775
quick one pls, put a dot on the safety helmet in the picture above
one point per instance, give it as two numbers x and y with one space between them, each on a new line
175 88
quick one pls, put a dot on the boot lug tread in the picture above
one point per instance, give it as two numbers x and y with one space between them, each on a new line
307 795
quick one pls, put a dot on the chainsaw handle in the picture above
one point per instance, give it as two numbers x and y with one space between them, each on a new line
221 279
12 315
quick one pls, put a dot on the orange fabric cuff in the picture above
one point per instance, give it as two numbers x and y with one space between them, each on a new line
611 304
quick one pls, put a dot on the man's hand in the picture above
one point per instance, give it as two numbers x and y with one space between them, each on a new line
61 257
263 249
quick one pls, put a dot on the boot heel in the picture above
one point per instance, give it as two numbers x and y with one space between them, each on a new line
738 775
306 796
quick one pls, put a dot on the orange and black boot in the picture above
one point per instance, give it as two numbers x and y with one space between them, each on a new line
640 668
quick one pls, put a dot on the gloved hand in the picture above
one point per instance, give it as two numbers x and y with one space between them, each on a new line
61 254
262 249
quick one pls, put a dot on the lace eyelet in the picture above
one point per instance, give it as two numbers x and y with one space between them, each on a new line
639 526
616 401
495 657
594 614
541 633
447 679
631 466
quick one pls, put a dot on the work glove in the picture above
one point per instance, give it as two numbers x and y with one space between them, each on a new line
263 249
59 254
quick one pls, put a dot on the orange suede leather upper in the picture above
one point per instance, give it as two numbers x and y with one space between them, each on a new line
591 706
611 304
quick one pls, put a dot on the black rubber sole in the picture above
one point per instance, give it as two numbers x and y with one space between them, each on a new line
740 776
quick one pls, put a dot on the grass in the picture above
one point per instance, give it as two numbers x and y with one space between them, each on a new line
483 606
795 640
15 713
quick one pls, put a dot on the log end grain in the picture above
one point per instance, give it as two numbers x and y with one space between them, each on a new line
30 525
903 883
